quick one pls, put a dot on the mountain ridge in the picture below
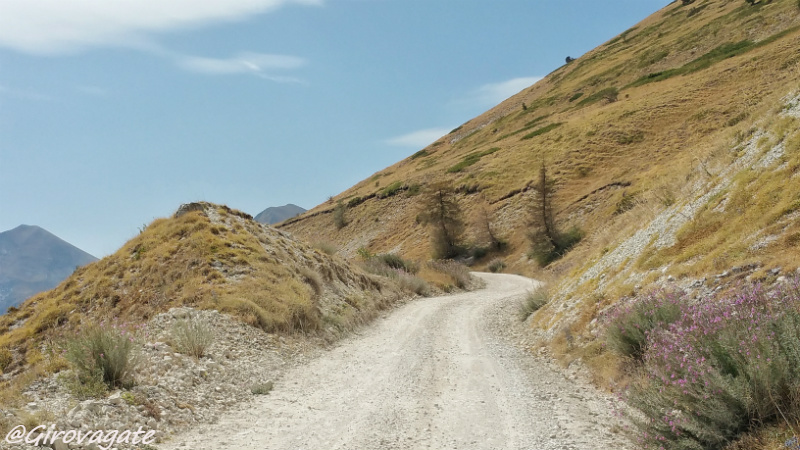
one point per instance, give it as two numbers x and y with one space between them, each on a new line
33 260
277 214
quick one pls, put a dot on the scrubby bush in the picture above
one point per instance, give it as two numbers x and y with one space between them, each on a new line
5 359
724 366
392 266
313 279
533 302
192 336
458 272
631 322
106 352
496 265
394 261
339 219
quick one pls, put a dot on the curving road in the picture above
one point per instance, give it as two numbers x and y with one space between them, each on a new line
437 373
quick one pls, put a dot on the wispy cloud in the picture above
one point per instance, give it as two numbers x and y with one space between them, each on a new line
58 26
493 93
244 63
23 94
419 138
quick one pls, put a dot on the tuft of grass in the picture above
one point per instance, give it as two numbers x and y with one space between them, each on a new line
533 302
6 358
394 267
261 388
541 131
496 265
192 336
458 273
106 352
313 279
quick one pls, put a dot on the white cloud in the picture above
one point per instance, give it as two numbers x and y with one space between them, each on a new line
255 63
419 138
59 26
493 93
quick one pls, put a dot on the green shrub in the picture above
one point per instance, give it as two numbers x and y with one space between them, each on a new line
543 252
391 190
106 352
631 321
192 336
541 131
471 159
478 252
575 97
419 154
533 302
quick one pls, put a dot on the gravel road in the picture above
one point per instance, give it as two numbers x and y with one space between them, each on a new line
437 373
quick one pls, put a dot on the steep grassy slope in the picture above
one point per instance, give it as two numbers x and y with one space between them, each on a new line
628 130
208 257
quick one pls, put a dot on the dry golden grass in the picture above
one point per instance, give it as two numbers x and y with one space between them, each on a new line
658 136
209 258
619 161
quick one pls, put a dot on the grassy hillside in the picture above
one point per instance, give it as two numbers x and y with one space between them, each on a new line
674 147
208 257
630 121
633 128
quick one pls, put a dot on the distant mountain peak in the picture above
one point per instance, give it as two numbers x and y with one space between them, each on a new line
278 214
33 260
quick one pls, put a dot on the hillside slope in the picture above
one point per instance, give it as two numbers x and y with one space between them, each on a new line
207 257
682 105
33 260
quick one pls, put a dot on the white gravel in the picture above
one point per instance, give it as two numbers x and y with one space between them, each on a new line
437 373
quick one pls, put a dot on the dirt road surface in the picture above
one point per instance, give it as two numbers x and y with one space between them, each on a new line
437 373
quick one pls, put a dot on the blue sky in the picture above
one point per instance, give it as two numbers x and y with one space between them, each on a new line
113 113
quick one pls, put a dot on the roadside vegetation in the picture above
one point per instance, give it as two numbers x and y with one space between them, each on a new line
709 371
